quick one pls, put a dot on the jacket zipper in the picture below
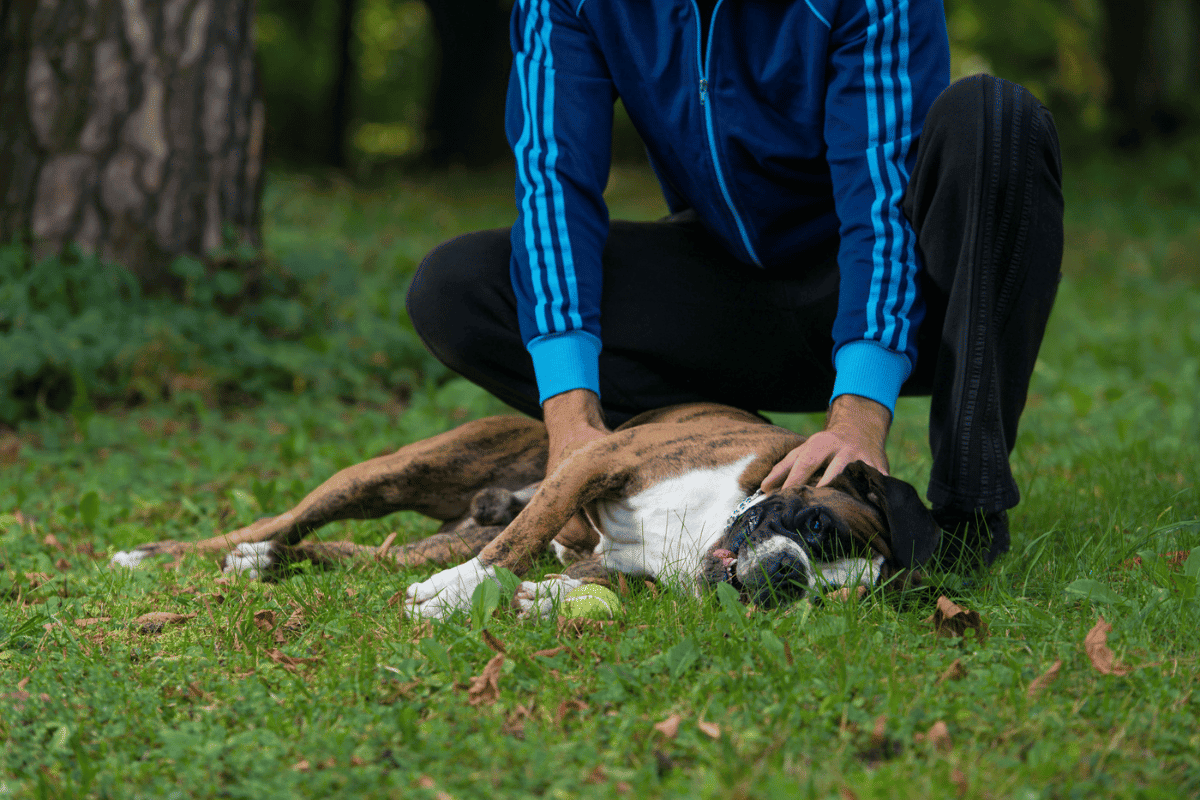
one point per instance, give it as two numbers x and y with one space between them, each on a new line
703 52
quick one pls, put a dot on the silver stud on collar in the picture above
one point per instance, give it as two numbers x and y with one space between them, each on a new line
743 506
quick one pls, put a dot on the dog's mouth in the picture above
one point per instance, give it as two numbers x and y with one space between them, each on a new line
767 564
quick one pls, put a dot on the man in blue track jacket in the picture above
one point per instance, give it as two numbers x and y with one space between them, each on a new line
829 195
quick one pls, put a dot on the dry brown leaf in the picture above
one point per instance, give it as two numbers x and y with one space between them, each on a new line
302 765
1095 644
787 652
847 793
264 620
485 688
62 565
879 732
623 787
960 781
551 652
426 782
155 621
653 587
86 621
50 541
597 775
938 736
288 662
514 723
566 707
36 579
955 672
622 585
669 727
21 684
492 642
951 619
710 729
1044 680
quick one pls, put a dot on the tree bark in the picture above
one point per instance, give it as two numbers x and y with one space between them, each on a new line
133 128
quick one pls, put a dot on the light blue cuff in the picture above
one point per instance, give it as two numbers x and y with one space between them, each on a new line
870 370
565 361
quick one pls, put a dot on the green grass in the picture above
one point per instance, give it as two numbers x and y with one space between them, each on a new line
379 706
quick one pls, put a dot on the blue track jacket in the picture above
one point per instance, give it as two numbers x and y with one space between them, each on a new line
794 121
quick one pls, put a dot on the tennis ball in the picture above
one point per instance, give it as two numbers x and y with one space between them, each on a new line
590 602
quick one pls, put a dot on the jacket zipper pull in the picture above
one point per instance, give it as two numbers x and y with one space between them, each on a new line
703 91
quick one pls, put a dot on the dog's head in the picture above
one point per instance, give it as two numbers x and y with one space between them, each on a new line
795 539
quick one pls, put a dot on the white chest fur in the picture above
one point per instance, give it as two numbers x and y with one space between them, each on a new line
663 531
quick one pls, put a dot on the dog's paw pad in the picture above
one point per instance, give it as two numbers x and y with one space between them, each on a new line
251 559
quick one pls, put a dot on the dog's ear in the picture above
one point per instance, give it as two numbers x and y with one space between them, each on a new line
914 535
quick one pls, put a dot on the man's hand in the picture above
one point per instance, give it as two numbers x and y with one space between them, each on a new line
856 429
573 419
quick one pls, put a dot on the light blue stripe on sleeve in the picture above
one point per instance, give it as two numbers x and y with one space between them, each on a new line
560 214
565 361
869 81
525 164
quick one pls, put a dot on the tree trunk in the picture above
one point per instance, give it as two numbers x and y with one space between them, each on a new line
133 128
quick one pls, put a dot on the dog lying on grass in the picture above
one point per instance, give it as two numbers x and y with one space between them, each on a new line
671 495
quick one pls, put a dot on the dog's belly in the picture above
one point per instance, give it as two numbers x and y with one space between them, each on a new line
663 531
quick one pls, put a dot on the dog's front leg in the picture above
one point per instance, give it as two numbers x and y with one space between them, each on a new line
589 474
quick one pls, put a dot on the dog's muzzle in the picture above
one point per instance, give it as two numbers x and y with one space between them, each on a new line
770 555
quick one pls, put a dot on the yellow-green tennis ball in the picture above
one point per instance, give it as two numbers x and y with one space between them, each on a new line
590 602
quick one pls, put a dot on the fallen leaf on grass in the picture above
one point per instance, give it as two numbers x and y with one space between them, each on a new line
551 653
514 723
485 688
566 707
86 621
155 621
955 672
669 727
264 620
50 541
1044 680
597 776
426 782
879 732
36 579
960 781
847 793
1095 644
491 641
710 729
302 765
950 619
288 662
938 736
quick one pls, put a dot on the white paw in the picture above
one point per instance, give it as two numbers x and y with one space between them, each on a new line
448 590
128 558
538 599
250 559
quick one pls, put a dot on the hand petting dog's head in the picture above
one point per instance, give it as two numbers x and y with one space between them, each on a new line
774 552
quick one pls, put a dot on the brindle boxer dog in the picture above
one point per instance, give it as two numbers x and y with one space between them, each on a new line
670 495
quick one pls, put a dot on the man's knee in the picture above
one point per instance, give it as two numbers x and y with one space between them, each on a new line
448 275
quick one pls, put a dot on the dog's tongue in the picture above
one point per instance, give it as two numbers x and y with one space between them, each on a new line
726 557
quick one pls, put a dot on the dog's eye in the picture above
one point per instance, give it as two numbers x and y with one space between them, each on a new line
815 526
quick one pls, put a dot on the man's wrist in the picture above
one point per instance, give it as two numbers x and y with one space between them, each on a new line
575 408
871 419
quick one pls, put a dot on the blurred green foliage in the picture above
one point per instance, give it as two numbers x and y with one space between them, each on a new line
1056 48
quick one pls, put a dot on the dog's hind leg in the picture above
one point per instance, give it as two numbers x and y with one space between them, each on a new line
437 477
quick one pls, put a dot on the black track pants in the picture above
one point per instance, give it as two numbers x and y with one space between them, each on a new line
684 321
